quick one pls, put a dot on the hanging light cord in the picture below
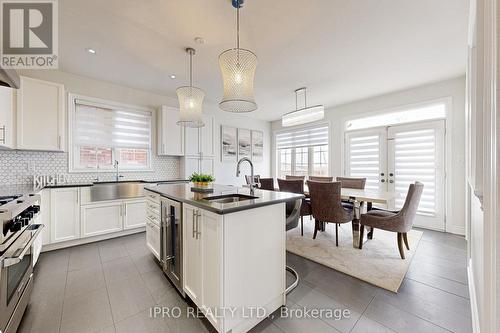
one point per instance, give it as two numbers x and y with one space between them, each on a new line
191 69
238 27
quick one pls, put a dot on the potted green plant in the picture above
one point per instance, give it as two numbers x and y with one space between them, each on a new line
201 180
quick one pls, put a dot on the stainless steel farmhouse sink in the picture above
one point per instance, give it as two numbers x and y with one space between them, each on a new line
113 191
229 198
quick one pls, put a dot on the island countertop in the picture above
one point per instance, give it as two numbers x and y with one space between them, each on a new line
183 193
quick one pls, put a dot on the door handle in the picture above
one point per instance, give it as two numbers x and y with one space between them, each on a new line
382 180
391 181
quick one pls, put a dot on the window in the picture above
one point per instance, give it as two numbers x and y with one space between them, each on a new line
408 115
303 152
104 132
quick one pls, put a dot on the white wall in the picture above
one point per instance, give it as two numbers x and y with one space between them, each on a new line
454 88
225 173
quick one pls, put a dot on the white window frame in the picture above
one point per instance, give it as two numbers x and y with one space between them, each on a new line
72 149
277 156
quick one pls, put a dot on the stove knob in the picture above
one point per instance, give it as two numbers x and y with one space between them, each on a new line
36 209
16 226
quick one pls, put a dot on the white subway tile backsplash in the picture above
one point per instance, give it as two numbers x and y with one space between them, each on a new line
18 167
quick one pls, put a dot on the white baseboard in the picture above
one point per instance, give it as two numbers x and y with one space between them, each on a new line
61 245
457 230
473 300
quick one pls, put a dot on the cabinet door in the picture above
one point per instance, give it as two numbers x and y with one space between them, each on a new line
191 255
170 135
134 214
40 115
6 117
153 238
65 214
103 218
207 166
207 147
210 228
192 139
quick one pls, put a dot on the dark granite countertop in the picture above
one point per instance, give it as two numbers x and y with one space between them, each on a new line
183 193
22 189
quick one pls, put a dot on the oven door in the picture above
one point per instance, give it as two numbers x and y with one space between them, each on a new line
16 278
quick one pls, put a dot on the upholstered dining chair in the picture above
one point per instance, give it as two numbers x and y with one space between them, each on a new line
256 179
356 183
400 222
290 177
267 184
297 186
327 206
320 179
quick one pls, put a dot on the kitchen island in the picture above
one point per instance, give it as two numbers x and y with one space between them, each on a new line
233 250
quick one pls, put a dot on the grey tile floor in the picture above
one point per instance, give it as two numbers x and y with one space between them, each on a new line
110 286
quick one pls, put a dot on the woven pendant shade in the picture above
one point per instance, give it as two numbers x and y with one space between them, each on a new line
190 100
237 67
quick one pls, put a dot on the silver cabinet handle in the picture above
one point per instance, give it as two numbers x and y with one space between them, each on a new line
194 224
198 233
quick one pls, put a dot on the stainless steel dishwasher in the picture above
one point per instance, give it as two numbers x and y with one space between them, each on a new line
171 241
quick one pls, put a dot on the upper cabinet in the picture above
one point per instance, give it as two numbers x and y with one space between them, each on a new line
170 135
200 141
7 114
40 115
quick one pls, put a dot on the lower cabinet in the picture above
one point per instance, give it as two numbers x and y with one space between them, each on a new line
102 218
133 214
64 214
112 216
202 259
153 238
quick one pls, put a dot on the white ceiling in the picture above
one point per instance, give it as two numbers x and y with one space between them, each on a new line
341 50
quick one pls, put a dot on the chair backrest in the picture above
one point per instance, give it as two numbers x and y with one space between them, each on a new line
326 202
290 177
291 185
356 183
410 207
249 177
267 184
321 179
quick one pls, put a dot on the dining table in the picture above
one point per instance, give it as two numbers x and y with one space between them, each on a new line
362 201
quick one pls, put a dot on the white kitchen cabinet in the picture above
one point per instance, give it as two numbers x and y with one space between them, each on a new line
153 238
200 141
191 164
101 218
222 263
192 253
170 135
7 114
133 214
64 214
40 115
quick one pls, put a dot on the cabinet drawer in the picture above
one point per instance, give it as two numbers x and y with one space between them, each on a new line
153 206
155 198
153 238
155 218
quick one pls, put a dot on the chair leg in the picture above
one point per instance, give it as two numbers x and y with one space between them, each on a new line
361 235
400 245
405 238
370 233
316 227
302 225
336 234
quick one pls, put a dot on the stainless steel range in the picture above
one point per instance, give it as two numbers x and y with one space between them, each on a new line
20 245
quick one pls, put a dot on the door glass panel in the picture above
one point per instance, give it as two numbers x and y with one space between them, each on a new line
365 158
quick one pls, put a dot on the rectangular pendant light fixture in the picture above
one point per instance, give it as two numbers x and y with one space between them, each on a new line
303 115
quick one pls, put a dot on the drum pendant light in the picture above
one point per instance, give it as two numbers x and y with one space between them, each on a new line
238 71
190 99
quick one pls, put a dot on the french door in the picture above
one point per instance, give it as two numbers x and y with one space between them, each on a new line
391 158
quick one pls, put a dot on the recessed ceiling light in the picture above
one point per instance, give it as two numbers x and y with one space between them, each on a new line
172 76
91 51
199 40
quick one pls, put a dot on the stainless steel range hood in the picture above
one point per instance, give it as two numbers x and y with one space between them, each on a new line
9 78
